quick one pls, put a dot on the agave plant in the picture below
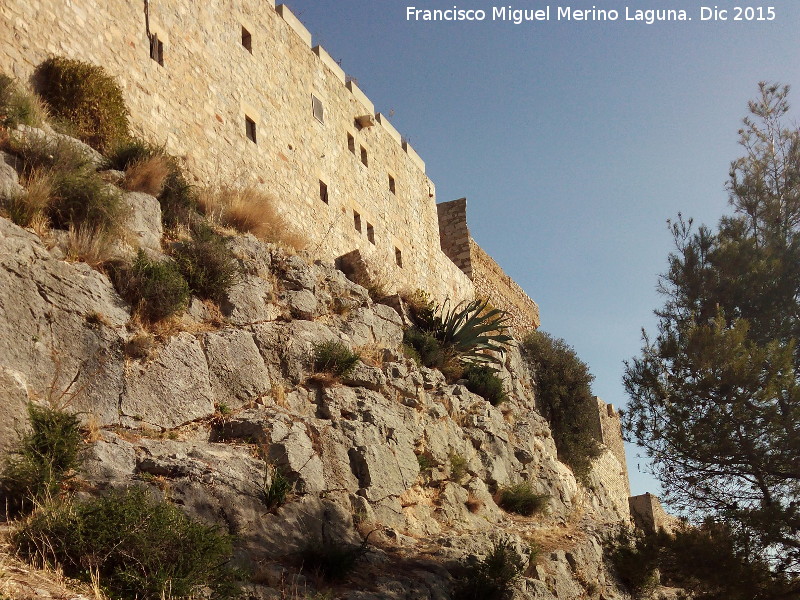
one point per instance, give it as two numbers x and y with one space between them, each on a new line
471 330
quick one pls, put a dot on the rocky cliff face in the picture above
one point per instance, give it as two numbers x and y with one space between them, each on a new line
206 409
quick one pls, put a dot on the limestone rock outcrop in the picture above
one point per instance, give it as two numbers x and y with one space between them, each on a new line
219 404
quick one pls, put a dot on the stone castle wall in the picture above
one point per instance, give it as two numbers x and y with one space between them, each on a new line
611 466
649 515
379 199
490 280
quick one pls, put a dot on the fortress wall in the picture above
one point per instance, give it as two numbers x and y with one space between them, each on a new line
609 474
648 514
607 429
454 233
489 279
197 103
503 292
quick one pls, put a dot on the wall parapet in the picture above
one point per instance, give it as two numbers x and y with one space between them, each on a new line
490 281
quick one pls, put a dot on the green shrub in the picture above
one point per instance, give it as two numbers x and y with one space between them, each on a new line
17 106
56 155
634 556
140 547
82 198
76 195
425 463
86 97
178 198
129 151
275 488
458 467
491 578
43 459
483 380
429 350
565 399
521 499
334 358
207 264
156 289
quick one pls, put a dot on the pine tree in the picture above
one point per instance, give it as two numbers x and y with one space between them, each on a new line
715 396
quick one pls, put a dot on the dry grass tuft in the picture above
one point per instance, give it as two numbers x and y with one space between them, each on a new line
473 503
92 430
147 175
95 247
372 354
249 210
30 208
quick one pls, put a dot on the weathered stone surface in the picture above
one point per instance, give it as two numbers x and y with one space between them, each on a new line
296 273
60 326
364 375
143 219
50 140
172 389
9 181
14 402
378 325
302 304
287 348
237 372
251 300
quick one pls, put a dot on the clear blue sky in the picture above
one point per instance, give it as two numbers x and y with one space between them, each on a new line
573 142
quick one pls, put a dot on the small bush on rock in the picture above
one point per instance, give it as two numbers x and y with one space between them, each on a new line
131 150
521 499
178 198
207 264
18 106
275 488
491 578
87 97
64 186
483 380
634 555
43 460
138 546
458 467
334 358
155 289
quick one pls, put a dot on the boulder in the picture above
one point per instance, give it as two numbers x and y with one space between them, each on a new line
9 181
172 389
143 220
237 372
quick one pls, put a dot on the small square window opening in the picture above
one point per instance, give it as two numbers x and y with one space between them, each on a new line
323 191
398 257
364 160
250 129
391 185
351 143
316 107
370 233
357 221
247 40
157 49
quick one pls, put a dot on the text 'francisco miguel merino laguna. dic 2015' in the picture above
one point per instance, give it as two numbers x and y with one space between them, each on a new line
546 13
